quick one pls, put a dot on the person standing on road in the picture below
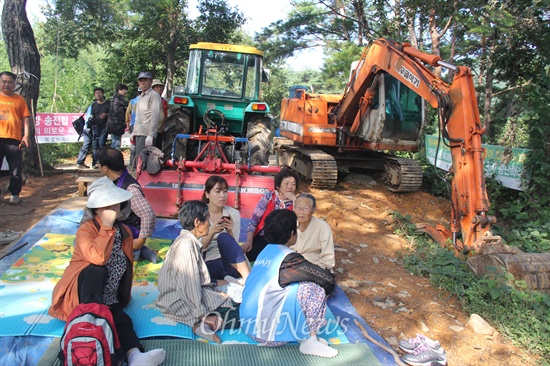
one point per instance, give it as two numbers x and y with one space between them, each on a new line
130 121
116 123
100 113
148 110
158 86
86 143
15 126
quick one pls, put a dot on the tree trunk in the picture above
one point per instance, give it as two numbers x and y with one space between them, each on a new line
25 63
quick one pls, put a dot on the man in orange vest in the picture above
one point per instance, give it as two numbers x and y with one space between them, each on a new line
15 126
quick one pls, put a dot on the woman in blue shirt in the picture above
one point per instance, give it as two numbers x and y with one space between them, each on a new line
284 297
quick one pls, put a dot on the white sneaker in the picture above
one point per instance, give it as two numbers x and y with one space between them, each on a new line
14 200
8 236
411 344
424 355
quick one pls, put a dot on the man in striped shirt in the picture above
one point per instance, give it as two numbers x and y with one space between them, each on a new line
142 219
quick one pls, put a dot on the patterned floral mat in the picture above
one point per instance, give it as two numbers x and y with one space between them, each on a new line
26 287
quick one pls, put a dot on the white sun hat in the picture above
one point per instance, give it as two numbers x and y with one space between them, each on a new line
103 193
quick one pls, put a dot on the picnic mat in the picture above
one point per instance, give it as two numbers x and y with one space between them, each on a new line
26 288
189 353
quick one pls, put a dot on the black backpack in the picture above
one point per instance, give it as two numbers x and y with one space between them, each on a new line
116 125
78 125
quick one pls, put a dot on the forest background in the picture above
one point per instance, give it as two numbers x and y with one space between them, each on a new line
82 44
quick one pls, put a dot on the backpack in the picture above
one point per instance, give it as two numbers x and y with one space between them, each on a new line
116 124
78 125
151 159
90 337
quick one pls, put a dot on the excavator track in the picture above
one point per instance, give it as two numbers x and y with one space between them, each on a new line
401 174
313 165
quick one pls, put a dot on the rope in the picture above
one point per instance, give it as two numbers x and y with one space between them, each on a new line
389 350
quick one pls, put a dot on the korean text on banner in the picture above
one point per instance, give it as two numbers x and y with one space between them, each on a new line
508 170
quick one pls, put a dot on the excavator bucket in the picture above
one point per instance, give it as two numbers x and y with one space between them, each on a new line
497 259
533 268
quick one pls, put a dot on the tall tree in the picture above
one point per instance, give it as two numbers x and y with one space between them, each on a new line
24 61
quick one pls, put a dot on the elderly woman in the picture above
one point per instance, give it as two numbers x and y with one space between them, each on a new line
286 182
186 292
101 267
284 298
314 235
223 256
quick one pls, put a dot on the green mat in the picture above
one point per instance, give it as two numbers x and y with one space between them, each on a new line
180 352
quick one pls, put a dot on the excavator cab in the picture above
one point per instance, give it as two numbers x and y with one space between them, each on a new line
396 113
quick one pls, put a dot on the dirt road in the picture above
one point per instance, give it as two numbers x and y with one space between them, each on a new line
393 302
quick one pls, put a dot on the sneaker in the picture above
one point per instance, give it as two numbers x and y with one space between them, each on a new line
82 166
96 166
424 355
14 199
8 236
410 345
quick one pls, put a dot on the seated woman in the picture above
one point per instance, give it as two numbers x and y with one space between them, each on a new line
224 256
314 235
284 298
101 268
286 182
186 292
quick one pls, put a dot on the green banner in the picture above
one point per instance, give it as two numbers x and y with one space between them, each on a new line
510 171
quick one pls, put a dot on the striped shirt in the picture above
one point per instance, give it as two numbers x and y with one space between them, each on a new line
185 294
143 210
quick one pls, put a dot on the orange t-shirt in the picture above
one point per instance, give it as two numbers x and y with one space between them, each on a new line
13 111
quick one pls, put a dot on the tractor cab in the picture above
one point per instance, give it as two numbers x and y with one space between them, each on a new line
216 124
222 88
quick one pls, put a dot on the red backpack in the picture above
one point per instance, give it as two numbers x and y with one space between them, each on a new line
90 337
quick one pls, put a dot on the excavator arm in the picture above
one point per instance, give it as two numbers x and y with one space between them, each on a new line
459 125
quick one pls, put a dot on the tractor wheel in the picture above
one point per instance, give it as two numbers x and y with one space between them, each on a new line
177 122
258 136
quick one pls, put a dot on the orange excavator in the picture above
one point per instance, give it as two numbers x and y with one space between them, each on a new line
382 110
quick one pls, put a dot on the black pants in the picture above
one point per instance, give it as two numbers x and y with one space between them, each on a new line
258 244
9 148
91 284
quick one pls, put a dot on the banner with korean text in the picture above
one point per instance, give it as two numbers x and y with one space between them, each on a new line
58 128
507 169
55 127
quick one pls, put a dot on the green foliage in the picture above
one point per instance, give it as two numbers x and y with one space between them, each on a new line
519 314
53 154
276 89
336 71
67 84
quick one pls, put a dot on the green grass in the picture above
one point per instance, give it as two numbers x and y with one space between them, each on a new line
523 316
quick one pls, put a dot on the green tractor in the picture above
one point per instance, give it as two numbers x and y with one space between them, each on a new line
222 94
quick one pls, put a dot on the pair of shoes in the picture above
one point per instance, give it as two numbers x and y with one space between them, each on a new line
82 166
424 355
14 199
411 344
8 236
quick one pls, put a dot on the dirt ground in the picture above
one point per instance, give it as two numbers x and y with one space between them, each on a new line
367 257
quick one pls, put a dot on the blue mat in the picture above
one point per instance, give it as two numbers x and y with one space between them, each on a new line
27 350
26 288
